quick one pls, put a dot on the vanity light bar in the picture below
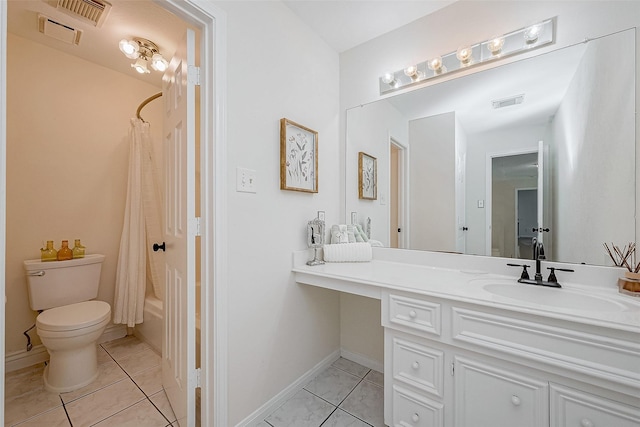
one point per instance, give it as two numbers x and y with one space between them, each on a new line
513 43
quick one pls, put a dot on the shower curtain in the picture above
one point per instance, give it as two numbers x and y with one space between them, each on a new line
141 229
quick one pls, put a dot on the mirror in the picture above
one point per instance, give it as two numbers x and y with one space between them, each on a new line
481 164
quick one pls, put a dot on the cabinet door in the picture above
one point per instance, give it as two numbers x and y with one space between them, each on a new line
572 408
486 395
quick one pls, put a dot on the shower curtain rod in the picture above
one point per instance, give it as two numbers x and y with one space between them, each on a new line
145 102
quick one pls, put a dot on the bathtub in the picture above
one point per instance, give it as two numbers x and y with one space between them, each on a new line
150 330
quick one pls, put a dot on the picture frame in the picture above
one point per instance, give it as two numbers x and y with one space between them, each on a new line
298 157
367 176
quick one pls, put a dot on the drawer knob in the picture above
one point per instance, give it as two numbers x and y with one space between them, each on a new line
415 417
586 422
515 400
415 365
413 314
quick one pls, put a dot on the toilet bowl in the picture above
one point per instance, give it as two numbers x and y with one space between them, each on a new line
70 334
71 321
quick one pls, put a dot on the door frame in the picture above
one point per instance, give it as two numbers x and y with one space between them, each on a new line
212 23
403 194
489 190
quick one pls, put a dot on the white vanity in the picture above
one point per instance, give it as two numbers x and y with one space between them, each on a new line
466 345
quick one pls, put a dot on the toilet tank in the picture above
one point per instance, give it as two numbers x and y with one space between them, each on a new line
57 283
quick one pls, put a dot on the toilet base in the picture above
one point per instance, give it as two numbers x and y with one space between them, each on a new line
71 370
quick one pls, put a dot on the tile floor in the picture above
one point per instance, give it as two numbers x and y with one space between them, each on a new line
128 392
344 395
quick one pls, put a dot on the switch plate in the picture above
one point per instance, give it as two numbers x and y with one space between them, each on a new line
321 215
481 204
245 180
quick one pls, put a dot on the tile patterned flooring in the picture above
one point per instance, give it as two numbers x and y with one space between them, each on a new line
344 395
127 392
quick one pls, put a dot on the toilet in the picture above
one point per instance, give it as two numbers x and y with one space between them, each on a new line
71 322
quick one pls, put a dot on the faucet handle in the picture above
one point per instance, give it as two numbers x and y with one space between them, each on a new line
552 276
525 273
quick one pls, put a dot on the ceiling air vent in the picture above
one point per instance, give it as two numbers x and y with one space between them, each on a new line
507 102
92 11
58 31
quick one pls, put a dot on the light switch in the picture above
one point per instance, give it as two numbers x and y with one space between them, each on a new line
481 204
245 180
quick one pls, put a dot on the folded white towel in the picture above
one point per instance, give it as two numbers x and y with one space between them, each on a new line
348 252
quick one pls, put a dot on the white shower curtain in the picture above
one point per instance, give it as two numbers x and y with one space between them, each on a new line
140 230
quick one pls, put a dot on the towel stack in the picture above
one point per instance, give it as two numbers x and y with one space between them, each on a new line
349 243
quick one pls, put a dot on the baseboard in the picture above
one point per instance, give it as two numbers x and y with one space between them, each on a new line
363 360
38 354
278 400
113 332
23 358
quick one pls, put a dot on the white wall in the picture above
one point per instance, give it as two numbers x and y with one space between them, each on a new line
278 329
464 22
432 170
67 164
370 127
595 124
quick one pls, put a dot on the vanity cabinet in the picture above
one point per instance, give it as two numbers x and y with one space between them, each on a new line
456 364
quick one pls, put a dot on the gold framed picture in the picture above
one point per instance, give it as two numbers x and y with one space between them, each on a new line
298 157
367 177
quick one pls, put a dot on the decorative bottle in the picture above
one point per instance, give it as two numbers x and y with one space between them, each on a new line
48 253
65 252
78 250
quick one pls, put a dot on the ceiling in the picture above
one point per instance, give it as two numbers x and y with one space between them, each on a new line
342 24
346 24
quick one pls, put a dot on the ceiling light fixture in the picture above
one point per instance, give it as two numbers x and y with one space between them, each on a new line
471 55
143 51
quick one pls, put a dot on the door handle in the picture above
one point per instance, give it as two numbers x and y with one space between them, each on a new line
157 247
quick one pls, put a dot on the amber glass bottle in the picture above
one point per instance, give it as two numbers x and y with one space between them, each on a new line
78 250
65 252
48 254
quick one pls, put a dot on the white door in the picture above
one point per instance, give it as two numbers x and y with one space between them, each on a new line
541 178
178 346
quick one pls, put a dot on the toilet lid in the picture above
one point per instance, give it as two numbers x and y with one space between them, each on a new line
73 316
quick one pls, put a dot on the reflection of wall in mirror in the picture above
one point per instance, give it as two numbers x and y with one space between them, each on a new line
369 130
432 169
593 164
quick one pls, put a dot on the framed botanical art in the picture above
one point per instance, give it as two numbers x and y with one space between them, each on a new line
367 177
298 157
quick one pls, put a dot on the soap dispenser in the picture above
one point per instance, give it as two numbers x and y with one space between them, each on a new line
48 253
65 251
78 250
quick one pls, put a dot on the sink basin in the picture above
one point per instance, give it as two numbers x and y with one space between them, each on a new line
553 297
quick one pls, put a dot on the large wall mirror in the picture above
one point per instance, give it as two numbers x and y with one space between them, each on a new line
540 148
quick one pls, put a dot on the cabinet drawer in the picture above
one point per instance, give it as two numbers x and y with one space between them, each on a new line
489 396
414 315
418 366
412 410
572 408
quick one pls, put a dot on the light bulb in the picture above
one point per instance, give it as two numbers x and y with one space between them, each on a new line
140 66
129 48
158 62
495 45
464 54
411 71
435 64
388 78
532 33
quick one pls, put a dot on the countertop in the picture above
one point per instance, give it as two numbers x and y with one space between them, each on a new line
600 306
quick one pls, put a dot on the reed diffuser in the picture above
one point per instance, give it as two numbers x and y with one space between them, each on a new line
626 257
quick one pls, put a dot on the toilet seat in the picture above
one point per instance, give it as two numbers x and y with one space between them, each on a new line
73 316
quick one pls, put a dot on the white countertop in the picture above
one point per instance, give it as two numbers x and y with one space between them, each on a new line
603 305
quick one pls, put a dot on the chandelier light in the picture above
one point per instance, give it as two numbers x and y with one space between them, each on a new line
145 52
